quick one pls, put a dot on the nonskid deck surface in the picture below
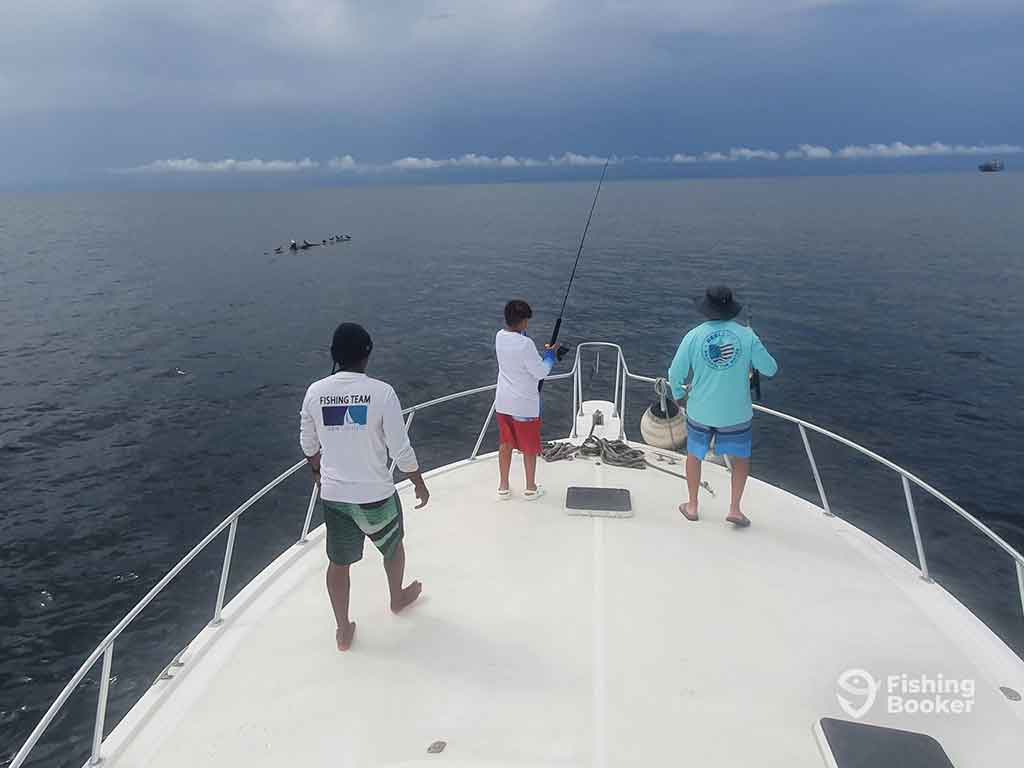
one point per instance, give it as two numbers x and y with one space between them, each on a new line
546 639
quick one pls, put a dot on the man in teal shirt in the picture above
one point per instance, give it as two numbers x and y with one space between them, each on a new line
720 354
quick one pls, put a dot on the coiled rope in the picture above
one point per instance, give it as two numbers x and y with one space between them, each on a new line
616 453
558 451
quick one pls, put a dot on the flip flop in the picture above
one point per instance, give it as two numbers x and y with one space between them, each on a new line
742 522
684 511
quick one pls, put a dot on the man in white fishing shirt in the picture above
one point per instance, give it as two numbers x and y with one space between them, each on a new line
349 423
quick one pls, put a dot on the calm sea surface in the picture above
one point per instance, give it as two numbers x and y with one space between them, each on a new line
153 356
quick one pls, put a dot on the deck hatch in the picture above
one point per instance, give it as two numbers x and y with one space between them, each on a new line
857 745
598 502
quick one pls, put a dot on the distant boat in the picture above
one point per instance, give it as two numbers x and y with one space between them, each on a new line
991 166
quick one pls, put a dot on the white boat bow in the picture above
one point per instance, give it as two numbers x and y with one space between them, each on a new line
548 639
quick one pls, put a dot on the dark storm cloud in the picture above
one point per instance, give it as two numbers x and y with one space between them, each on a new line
87 85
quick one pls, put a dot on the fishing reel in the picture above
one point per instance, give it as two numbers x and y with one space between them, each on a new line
562 351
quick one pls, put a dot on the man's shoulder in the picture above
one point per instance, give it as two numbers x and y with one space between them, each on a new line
730 326
318 385
511 340
332 382
700 333
379 385
696 332
741 330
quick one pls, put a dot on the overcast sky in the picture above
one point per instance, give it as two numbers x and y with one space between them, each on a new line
93 87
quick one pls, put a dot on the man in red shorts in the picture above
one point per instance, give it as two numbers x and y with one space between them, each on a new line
517 399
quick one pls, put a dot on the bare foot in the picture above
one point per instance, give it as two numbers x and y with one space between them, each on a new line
345 635
407 597
689 511
738 519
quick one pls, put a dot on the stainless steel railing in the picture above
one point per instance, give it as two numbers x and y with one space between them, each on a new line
230 523
622 376
907 478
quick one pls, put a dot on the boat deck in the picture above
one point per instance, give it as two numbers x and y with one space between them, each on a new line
545 639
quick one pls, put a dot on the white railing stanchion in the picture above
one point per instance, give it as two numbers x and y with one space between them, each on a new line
577 399
622 410
309 514
618 373
814 469
1020 583
577 382
228 550
917 531
483 431
101 705
575 405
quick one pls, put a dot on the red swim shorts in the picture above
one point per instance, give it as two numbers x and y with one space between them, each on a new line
524 435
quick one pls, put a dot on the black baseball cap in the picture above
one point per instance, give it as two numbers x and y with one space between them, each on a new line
351 344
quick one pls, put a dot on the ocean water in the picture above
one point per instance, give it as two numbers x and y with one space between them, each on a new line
155 351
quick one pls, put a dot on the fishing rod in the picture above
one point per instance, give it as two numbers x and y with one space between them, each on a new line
579 252
755 375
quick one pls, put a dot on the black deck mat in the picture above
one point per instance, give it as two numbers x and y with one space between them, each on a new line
589 499
858 745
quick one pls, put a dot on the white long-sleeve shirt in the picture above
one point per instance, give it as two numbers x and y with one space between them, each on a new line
520 367
354 421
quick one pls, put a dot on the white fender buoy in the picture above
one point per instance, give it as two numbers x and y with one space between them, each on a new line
664 430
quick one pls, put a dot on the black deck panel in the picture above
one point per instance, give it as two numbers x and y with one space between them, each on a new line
598 499
858 745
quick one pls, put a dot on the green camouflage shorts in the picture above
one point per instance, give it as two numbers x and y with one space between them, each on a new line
349 524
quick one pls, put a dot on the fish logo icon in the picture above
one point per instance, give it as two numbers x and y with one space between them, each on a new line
860 684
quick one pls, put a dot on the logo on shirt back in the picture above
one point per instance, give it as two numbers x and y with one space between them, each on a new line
343 415
721 349
340 410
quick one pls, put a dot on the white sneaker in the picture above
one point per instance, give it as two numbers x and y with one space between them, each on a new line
533 495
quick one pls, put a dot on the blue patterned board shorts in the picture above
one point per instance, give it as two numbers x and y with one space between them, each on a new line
728 441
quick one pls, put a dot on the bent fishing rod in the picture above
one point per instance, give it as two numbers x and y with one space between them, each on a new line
579 252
